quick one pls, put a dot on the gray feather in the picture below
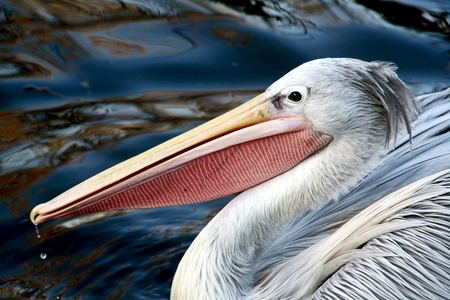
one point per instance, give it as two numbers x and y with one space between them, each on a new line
405 263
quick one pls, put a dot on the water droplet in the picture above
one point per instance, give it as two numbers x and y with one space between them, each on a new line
43 255
37 232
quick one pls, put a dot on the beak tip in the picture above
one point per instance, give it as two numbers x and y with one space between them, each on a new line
35 216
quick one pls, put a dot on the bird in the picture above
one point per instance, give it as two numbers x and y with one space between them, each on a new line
343 182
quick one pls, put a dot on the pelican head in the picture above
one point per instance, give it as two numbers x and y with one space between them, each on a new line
339 95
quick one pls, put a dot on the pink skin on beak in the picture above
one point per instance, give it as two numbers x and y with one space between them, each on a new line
238 150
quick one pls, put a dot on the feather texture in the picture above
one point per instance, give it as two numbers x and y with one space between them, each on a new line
404 254
386 235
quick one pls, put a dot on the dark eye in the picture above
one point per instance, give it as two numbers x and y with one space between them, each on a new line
295 96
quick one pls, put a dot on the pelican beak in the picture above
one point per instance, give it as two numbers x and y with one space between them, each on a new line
228 154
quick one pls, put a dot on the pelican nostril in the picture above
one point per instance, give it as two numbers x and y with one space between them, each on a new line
276 101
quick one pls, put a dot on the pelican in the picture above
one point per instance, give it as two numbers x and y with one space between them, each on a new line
345 181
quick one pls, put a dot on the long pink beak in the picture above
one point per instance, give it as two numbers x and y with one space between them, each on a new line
240 149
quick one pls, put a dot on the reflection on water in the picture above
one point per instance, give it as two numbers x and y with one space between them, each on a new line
38 36
56 33
86 84
417 17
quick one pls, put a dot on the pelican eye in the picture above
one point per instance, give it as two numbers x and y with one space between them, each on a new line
295 96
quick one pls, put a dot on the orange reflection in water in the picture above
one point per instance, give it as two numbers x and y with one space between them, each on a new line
117 47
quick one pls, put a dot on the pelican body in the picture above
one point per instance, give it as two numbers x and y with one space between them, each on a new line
345 181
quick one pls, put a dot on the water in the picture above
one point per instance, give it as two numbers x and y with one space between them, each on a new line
84 86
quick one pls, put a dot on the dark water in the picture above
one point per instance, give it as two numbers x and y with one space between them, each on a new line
87 84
